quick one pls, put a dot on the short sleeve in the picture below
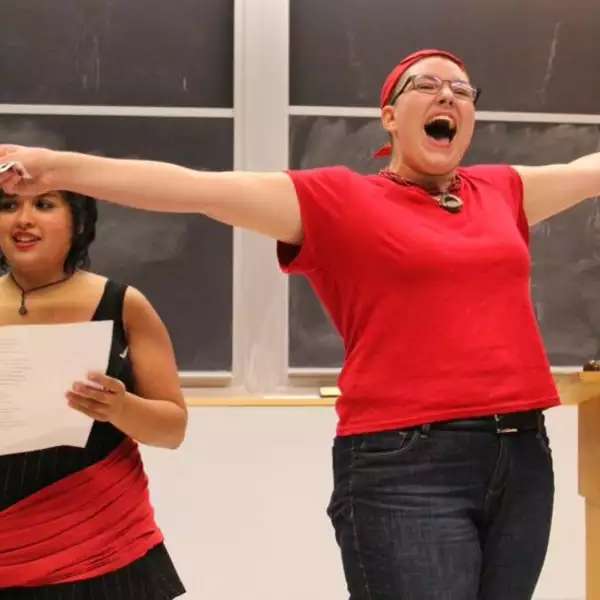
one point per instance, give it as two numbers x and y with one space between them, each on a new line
515 197
508 182
324 198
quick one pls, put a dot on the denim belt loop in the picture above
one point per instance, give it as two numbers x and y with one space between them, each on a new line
540 422
425 430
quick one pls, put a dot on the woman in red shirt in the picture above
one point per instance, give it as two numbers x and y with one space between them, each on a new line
443 473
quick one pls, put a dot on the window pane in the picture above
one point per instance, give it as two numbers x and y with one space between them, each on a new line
183 263
132 53
528 56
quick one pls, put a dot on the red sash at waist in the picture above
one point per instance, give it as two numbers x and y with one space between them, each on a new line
88 524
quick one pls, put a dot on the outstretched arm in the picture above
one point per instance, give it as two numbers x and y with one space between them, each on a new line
263 202
551 189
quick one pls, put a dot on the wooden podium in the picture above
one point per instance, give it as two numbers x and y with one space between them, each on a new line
583 389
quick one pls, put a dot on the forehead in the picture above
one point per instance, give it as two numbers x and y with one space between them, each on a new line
436 65
55 196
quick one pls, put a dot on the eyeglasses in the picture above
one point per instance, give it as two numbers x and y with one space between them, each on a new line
431 84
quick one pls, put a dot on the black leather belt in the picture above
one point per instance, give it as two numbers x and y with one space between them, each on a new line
531 420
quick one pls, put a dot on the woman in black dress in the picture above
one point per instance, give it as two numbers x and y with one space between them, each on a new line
119 554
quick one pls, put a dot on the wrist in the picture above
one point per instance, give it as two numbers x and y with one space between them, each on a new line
123 412
60 165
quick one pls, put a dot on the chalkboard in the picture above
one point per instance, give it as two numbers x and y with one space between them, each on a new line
532 55
124 52
565 249
183 263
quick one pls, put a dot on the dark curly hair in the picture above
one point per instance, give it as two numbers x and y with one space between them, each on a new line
84 214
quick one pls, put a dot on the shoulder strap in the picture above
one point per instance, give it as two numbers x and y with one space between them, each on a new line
111 307
111 303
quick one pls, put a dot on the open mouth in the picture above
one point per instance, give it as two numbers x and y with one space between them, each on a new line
441 129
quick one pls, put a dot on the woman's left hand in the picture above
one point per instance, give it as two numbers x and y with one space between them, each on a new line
102 402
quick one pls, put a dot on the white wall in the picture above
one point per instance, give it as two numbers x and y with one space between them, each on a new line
242 505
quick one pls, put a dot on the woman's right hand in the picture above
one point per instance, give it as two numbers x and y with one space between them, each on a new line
32 173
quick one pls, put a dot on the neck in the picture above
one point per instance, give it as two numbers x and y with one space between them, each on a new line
441 182
29 280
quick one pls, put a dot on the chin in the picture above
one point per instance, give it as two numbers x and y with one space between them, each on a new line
25 262
438 166
22 266
433 161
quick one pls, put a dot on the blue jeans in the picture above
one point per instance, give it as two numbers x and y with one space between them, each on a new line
444 515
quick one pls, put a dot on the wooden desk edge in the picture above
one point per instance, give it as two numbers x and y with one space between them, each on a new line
578 386
250 401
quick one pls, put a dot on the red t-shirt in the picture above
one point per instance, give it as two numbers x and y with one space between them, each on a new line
434 308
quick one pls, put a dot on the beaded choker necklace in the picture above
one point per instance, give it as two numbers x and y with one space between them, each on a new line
448 200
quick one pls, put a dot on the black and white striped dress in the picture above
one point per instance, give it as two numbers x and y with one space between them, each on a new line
152 577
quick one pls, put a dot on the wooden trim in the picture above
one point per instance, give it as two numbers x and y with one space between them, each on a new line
578 387
261 401
574 388
589 376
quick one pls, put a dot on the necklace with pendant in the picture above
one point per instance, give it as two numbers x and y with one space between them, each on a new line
448 200
23 308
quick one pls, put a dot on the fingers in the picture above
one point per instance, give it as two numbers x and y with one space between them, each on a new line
10 181
14 178
87 392
99 398
108 384
20 170
95 410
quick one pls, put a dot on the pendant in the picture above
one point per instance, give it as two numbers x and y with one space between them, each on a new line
22 308
451 203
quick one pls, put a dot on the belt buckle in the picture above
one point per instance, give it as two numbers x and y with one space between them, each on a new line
503 430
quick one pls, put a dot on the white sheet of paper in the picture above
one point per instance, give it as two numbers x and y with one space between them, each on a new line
38 364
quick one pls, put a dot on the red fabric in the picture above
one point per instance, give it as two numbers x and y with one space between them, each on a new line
385 150
88 524
392 79
434 308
